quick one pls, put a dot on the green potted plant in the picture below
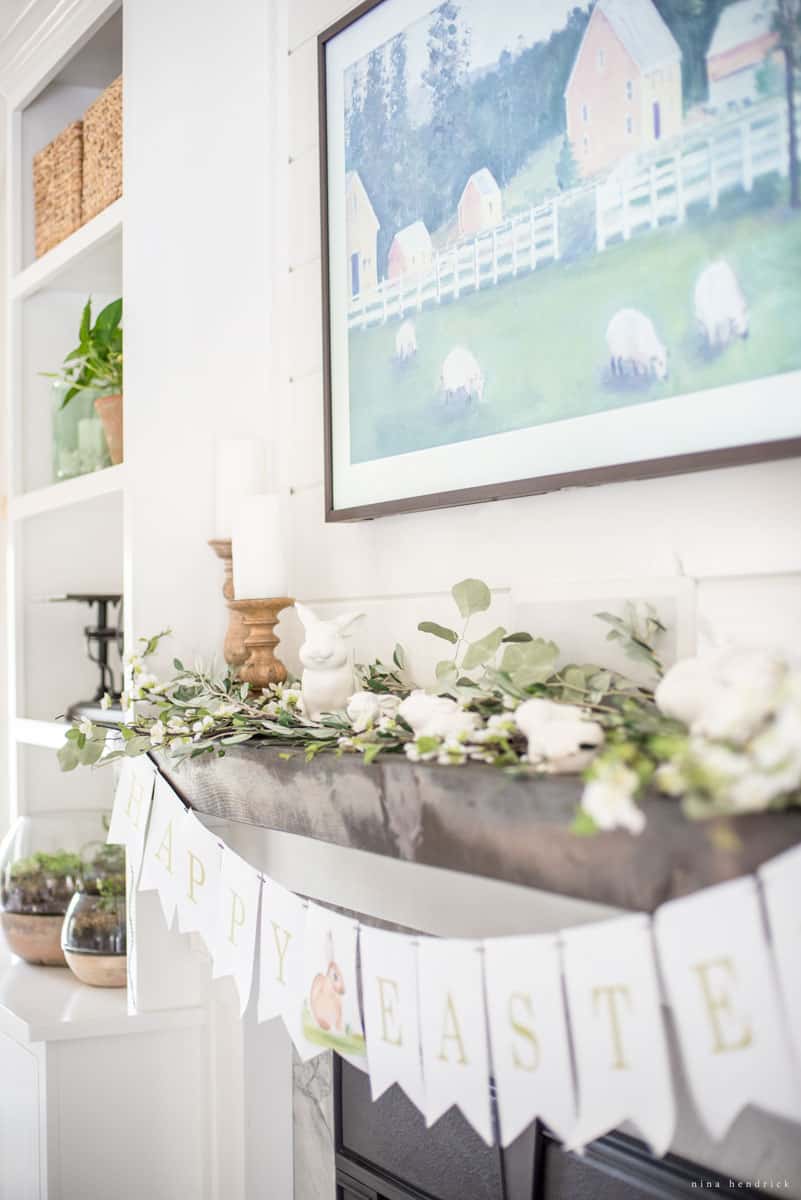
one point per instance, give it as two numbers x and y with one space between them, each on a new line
95 366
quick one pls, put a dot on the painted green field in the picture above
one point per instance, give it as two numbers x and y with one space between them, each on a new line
540 338
344 1043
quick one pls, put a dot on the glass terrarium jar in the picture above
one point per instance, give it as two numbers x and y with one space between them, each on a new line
93 936
42 861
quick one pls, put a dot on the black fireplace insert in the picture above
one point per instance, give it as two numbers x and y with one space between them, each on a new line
385 1152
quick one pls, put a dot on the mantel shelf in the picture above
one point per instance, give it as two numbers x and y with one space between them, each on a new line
89 260
476 820
68 492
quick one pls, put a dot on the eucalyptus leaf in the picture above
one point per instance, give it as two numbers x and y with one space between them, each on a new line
93 752
440 631
399 657
483 650
530 662
137 745
68 757
518 637
471 596
446 672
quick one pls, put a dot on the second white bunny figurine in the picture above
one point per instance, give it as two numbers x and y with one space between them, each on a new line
327 669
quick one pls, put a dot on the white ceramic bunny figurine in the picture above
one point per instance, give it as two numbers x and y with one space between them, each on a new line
327 670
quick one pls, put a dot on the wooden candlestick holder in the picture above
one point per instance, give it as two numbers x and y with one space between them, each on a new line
260 618
234 644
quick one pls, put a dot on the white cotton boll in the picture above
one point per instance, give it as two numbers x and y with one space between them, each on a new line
687 688
437 716
609 799
556 731
727 695
749 687
363 710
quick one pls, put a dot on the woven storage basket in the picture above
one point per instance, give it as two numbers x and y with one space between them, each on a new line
102 150
57 187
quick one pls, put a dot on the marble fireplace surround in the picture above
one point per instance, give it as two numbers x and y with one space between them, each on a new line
472 852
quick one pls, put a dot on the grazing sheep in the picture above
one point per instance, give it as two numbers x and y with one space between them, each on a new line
405 342
634 345
720 306
461 377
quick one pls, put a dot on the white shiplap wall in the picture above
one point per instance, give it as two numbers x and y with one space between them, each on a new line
735 533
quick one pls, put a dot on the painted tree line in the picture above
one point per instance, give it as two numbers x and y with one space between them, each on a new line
499 116
478 118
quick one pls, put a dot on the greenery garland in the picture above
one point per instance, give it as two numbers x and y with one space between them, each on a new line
501 700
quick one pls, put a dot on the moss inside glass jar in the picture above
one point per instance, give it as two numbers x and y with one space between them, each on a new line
94 935
42 884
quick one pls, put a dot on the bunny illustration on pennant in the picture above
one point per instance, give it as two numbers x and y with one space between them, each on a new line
327 991
327 669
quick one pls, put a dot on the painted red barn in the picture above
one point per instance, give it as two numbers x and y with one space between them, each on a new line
624 92
411 251
742 40
481 203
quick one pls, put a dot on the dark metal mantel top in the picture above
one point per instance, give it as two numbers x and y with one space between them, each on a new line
477 820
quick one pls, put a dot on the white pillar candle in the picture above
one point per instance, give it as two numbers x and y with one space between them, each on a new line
258 549
240 472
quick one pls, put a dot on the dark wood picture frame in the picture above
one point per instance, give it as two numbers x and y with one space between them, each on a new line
503 490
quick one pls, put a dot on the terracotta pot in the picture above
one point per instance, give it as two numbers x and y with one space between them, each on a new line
99 970
109 409
35 938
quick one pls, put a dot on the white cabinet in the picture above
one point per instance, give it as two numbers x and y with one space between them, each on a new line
95 1103
19 1122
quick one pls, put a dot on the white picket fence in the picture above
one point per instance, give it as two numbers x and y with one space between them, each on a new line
514 246
696 169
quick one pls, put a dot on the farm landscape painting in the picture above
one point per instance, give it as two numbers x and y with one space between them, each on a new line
548 226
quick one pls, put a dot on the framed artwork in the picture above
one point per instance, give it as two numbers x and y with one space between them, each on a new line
561 245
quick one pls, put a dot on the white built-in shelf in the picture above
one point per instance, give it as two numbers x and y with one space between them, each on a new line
70 491
49 734
89 260
48 1004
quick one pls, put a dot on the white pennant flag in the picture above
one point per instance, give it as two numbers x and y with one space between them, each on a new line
283 928
233 949
160 864
128 827
391 1012
131 809
781 885
454 1031
330 1000
622 1064
198 855
718 976
528 1035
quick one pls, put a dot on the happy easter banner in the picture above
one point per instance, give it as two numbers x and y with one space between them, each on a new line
567 1028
